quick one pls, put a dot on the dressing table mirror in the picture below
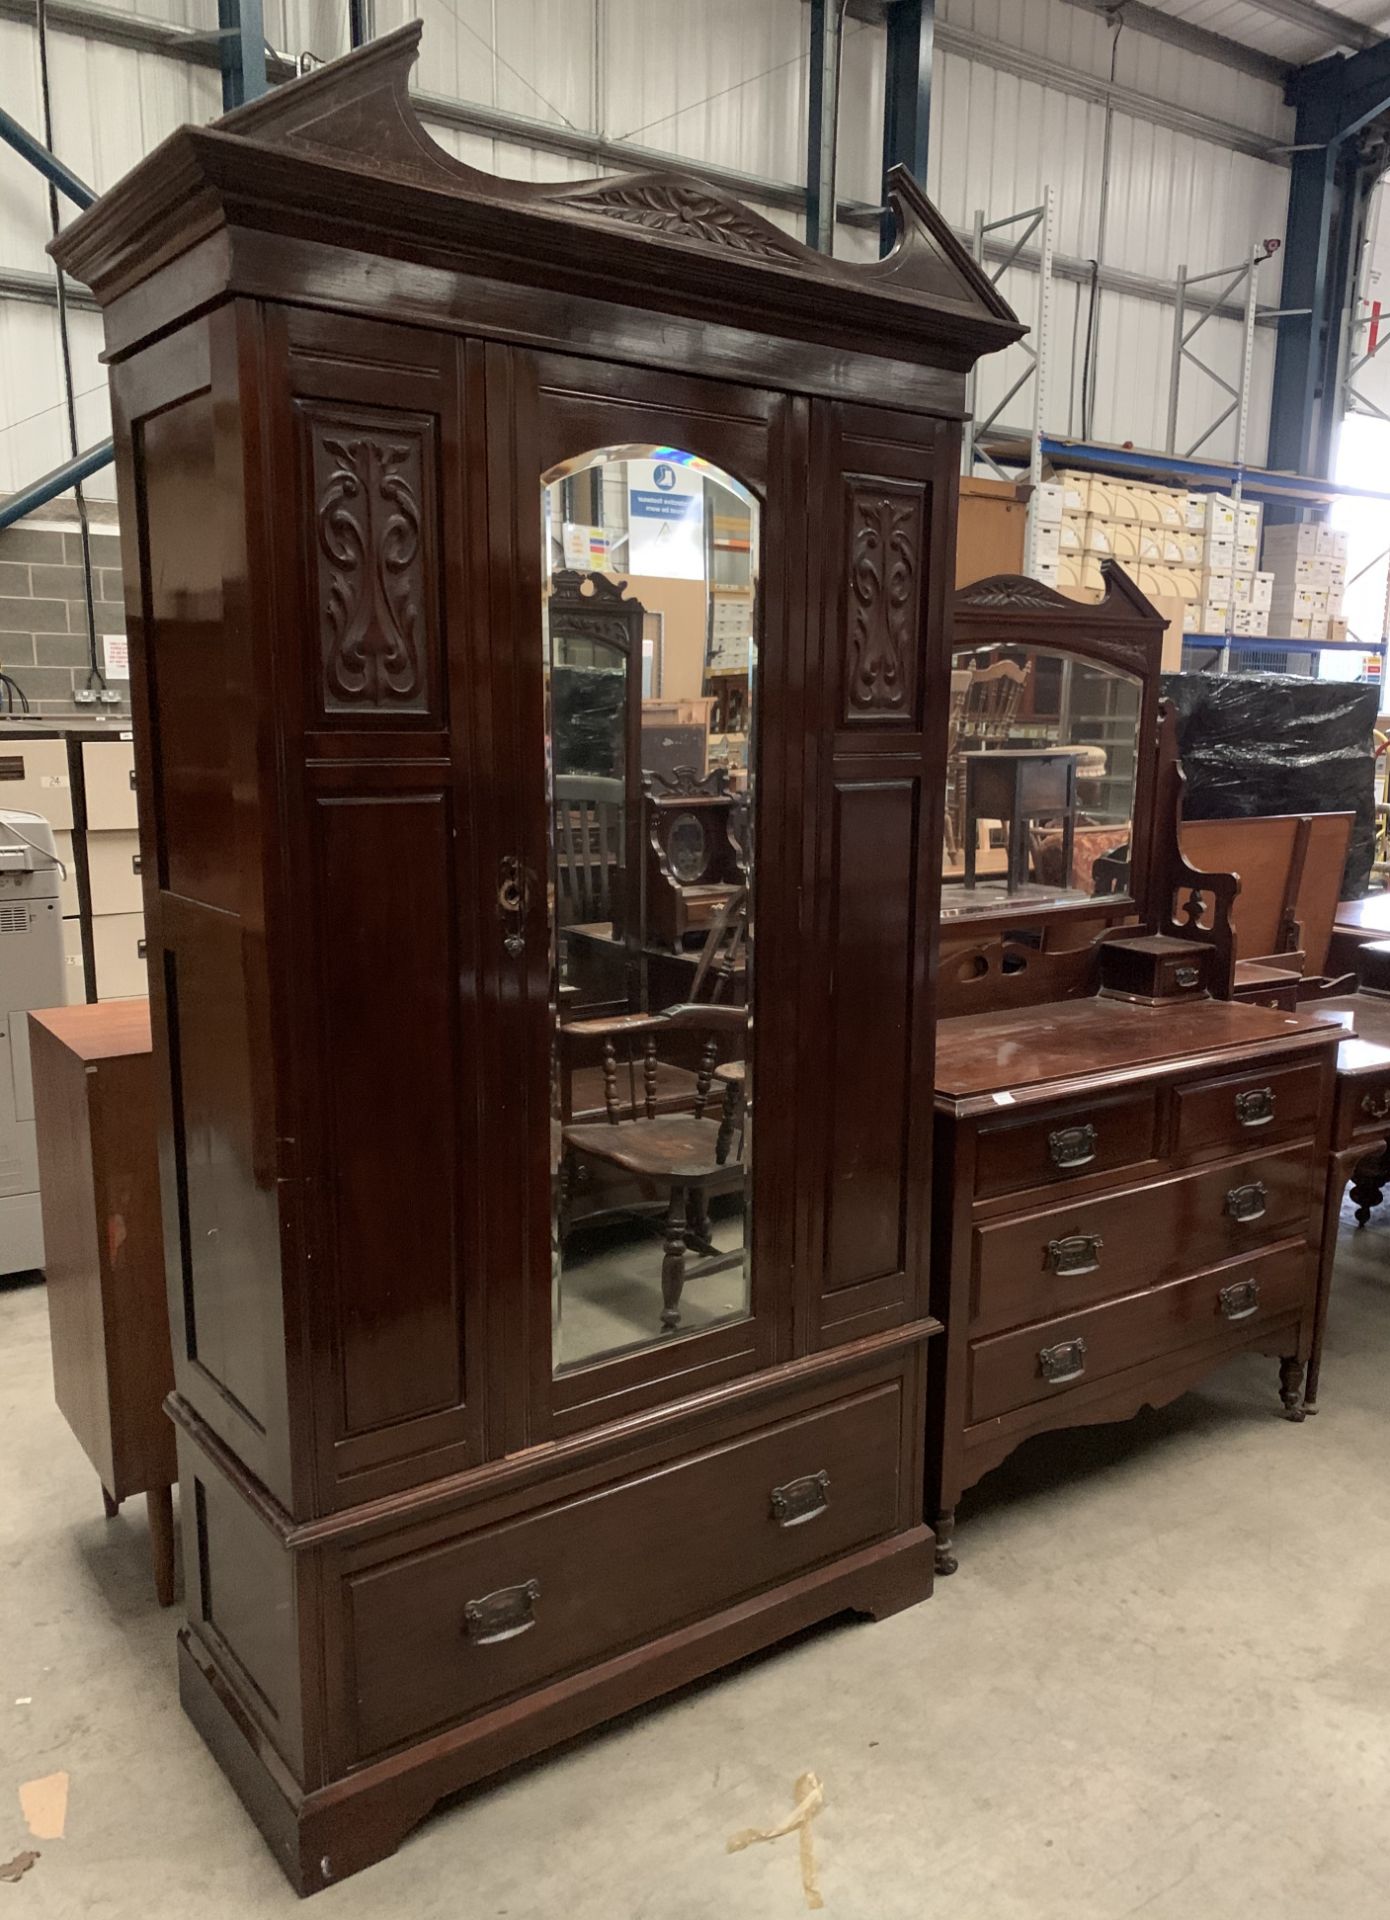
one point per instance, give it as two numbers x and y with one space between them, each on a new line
1126 1161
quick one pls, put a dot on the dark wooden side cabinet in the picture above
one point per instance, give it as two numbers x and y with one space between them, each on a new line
108 1320
424 1539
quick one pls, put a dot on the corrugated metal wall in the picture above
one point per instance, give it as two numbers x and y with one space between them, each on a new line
723 82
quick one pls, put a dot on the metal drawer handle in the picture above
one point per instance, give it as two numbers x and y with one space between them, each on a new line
801 1500
1072 1146
1079 1253
1256 1108
135 863
1248 1203
502 1615
1240 1299
132 779
1376 1105
1187 976
513 899
140 949
1066 1361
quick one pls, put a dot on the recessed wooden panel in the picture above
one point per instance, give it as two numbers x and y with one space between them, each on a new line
873 962
884 540
226 1204
374 528
186 640
391 1081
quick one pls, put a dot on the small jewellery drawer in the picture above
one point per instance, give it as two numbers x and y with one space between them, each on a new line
1110 1244
448 1624
1248 1108
1095 1136
1043 1361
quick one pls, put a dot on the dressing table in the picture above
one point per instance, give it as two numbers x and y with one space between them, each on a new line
1129 1165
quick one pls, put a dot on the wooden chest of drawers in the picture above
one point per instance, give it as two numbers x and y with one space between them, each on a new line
1125 1195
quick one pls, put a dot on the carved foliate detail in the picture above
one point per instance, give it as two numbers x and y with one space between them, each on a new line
688 210
1013 591
369 528
885 557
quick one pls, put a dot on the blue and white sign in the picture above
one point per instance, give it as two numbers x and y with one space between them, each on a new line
666 520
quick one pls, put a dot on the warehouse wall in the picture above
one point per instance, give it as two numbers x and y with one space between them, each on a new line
723 82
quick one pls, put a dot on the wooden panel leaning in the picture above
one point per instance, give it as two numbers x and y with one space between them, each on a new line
108 1318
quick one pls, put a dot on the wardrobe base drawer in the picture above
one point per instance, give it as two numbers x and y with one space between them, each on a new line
1043 1361
438 1628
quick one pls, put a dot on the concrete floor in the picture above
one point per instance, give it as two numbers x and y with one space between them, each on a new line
1159 1685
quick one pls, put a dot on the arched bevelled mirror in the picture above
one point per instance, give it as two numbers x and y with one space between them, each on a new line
1041 780
650 584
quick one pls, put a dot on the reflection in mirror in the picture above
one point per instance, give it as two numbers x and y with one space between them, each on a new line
1040 780
649 584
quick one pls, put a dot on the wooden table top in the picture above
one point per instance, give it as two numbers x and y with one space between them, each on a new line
1365 1017
982 1053
1370 916
105 1030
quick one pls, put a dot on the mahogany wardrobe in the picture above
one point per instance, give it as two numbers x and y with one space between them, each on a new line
528 1363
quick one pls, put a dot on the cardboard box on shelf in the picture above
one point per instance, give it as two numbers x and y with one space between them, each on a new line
1250 620
1219 515
1219 553
1048 503
1172 507
1193 548
1218 588
1262 590
1336 628
991 530
1172 547
1296 570
1213 617
1100 535
1293 538
1289 605
1071 533
1335 601
1124 539
1332 543
1047 539
1126 502
1186 584
1247 556
1248 523
1319 598
1079 572
1076 490
1318 627
1242 585
1195 513
1150 544
1300 629
1191 615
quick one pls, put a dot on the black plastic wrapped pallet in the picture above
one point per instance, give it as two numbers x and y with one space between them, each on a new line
1275 743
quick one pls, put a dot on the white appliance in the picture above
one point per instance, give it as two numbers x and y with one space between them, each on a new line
31 975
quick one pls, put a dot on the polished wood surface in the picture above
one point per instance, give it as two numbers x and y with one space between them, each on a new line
1357 923
108 1320
342 362
1290 868
991 1052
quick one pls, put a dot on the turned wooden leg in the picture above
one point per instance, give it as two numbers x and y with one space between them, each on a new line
673 1262
1368 1184
946 1561
1290 1384
727 1121
112 1507
159 1504
697 1221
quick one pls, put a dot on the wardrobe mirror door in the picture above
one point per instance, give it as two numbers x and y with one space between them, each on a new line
650 587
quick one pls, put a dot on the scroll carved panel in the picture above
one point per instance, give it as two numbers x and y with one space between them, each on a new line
885 543
375 558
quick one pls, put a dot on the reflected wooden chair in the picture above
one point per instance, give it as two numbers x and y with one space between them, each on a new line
983 712
678 1160
588 846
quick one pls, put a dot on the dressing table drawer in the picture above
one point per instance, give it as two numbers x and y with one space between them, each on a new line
447 1624
1108 1245
1046 1361
1097 1136
1248 1108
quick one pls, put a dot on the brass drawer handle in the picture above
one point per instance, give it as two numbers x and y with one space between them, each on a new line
1072 1146
1187 976
1255 1108
801 1500
1064 1362
1376 1105
1249 1202
502 1615
1078 1253
1240 1299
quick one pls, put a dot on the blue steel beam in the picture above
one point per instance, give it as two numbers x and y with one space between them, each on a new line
242 27
39 492
909 31
49 165
822 117
1337 101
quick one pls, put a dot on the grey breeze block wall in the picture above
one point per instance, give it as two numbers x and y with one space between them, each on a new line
43 617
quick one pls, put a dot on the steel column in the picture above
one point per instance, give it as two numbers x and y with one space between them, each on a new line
827 27
242 29
909 32
1336 100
